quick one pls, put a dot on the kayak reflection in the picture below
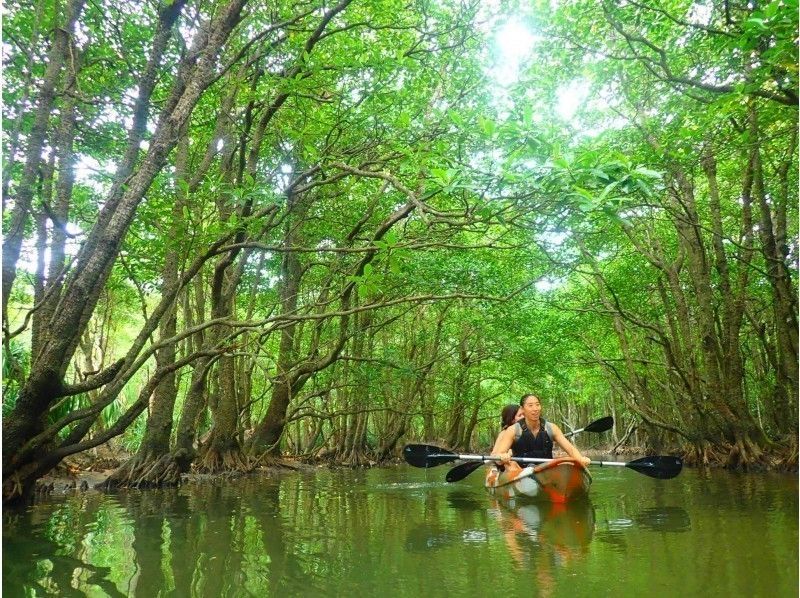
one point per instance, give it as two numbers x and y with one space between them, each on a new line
546 537
565 529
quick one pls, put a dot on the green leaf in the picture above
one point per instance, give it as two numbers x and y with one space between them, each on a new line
561 163
755 23
607 190
441 175
455 117
487 126
653 174
527 115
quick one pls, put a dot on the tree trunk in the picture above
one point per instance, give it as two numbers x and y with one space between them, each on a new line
153 465
779 276
93 265
58 55
266 436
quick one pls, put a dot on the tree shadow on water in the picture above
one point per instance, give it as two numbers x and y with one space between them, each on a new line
427 536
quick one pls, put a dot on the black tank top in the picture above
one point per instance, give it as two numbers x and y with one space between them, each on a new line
528 445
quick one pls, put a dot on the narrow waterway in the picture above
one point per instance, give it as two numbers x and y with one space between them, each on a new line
402 531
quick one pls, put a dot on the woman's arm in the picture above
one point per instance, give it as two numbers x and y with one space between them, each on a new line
502 446
568 447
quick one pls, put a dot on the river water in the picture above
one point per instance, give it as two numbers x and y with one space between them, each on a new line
401 531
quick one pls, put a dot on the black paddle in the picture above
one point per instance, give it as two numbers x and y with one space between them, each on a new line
459 472
604 424
426 455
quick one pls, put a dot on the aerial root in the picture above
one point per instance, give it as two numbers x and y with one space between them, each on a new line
744 453
145 471
223 461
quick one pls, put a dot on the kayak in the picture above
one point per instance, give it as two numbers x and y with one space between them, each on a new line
557 481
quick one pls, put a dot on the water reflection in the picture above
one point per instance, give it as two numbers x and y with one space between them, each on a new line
399 533
207 540
546 538
564 528
44 550
466 501
53 573
666 519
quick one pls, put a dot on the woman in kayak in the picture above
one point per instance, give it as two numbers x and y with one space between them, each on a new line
533 436
510 415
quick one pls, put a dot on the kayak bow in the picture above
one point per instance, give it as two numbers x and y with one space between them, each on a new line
556 481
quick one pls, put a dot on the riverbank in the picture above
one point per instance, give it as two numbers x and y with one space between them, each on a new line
85 471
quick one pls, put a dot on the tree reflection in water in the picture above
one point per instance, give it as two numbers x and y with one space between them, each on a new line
53 559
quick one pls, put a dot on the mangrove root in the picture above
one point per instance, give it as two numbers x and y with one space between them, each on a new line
223 461
145 472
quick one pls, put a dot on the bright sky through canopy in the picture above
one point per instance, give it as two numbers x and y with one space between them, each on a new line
514 42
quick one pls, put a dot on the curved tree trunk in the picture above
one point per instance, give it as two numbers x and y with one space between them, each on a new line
45 383
267 434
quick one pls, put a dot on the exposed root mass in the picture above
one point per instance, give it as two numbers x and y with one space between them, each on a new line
146 471
216 461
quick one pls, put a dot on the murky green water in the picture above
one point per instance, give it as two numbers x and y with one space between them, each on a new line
405 532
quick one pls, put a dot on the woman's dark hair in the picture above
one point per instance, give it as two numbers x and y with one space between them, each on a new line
508 414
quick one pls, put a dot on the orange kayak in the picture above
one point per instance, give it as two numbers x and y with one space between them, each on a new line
557 481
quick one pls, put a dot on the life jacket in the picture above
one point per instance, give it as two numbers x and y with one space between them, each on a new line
527 445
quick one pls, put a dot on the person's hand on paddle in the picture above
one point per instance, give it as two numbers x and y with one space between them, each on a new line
585 460
505 458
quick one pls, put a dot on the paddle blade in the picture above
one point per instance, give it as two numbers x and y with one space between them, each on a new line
459 472
601 425
659 467
427 455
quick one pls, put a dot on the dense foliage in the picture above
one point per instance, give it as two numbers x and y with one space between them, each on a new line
235 230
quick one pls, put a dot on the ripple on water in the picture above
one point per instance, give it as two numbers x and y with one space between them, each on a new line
412 485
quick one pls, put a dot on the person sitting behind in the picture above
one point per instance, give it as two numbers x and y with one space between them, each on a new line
510 415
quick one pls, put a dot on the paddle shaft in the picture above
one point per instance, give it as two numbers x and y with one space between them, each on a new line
427 455
573 432
476 465
485 458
